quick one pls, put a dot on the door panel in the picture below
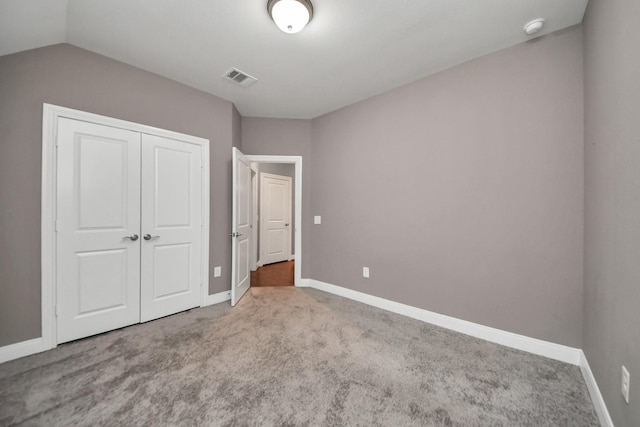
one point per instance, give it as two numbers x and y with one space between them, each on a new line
171 274
98 206
275 211
241 226
100 202
171 251
99 292
276 244
172 199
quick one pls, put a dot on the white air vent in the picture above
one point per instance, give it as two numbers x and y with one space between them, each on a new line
239 77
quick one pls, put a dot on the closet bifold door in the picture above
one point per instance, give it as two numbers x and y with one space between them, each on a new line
171 234
97 223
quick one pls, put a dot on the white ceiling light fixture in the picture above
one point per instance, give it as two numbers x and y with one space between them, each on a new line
534 26
291 16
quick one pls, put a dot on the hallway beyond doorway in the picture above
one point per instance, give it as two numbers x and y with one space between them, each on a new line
276 274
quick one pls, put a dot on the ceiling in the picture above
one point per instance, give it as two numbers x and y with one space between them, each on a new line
351 50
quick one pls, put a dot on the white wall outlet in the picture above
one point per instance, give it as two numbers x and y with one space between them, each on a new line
626 378
365 272
317 219
217 271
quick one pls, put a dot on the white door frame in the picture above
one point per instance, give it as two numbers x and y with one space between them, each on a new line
50 115
255 256
297 161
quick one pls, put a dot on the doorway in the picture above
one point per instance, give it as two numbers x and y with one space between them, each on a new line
246 173
273 223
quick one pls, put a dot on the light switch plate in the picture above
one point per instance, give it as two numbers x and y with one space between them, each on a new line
365 272
317 219
217 271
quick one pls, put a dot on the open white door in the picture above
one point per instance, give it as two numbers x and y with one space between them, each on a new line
275 218
241 226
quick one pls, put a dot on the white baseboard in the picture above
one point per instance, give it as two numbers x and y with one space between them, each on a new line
521 342
305 283
574 356
594 392
22 349
559 352
37 345
216 298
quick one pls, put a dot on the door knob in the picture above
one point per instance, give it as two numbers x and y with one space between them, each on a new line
133 237
149 237
286 225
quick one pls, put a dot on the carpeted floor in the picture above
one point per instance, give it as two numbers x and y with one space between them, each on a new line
287 356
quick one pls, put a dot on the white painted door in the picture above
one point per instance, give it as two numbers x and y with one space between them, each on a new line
241 226
275 218
171 234
98 226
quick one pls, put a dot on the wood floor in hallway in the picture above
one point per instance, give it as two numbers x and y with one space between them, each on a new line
277 274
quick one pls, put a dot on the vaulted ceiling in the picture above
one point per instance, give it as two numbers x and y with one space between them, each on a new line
351 50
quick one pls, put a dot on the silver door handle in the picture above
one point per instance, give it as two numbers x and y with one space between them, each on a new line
133 237
234 234
149 237
286 225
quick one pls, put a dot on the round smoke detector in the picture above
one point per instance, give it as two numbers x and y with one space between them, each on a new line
534 26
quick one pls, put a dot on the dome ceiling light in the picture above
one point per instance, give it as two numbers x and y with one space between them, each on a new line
291 16
534 26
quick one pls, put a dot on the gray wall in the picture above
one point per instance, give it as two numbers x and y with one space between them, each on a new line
612 224
285 137
463 192
71 77
282 169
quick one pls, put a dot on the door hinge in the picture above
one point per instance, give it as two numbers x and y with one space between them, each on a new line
56 310
55 226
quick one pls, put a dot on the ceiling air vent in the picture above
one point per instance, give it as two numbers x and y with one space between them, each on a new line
239 77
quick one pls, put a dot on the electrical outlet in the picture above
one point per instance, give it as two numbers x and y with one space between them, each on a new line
365 272
217 271
626 378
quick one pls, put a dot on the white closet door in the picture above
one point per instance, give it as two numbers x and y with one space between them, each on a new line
98 223
171 265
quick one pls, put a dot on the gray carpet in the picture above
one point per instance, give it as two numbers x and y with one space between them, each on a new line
287 356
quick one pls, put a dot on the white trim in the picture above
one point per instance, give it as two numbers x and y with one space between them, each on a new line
253 258
297 161
532 345
48 250
21 349
594 392
50 115
206 213
216 298
37 345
